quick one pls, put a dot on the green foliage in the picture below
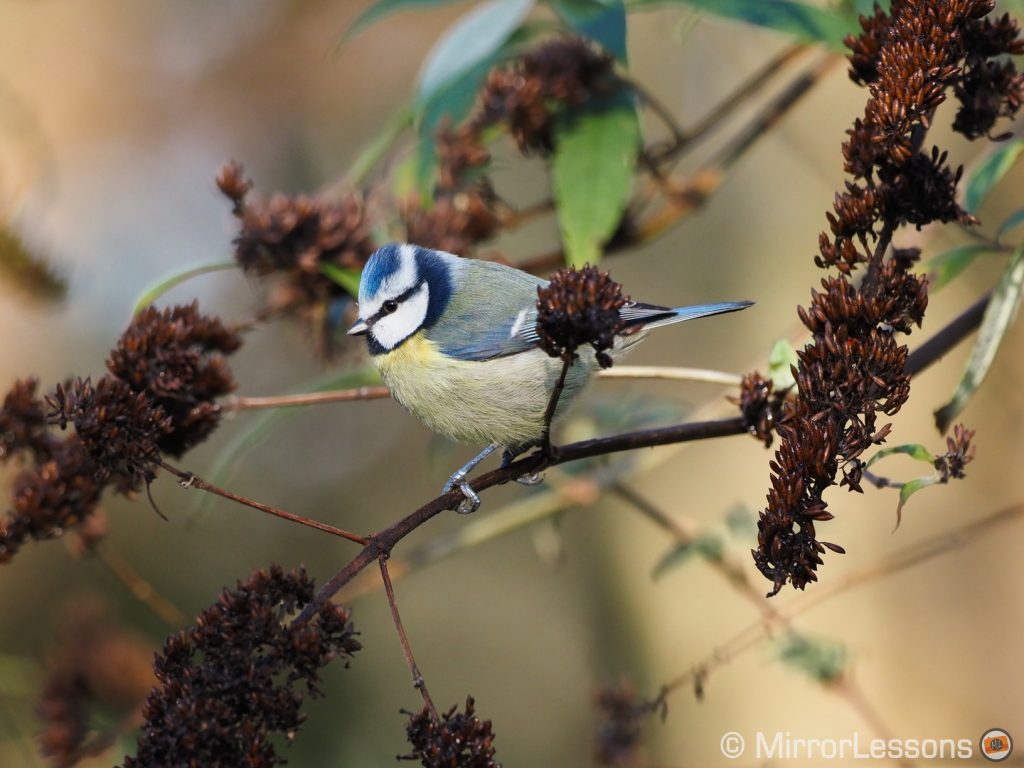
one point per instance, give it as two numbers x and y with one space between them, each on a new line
1011 222
781 361
161 286
346 278
989 173
469 42
908 489
592 175
823 660
383 8
801 20
998 316
915 451
603 21
25 270
949 264
707 545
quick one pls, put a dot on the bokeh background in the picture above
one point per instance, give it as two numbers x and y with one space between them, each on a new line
114 119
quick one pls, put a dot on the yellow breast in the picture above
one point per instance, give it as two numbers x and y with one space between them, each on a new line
501 400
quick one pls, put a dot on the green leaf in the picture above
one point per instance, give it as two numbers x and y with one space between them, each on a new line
383 8
802 21
1011 222
379 145
167 282
592 175
822 659
741 522
908 489
346 278
603 21
989 173
781 361
471 40
947 265
913 450
999 315
26 270
707 545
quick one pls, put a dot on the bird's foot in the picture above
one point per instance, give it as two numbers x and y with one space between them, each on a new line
534 478
471 502
510 455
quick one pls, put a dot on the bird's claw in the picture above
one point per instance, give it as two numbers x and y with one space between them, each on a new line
533 478
471 502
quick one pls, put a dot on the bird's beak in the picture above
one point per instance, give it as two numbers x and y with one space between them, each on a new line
359 328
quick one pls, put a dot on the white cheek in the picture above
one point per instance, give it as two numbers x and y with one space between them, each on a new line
393 328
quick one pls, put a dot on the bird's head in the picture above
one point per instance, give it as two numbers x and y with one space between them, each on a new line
403 289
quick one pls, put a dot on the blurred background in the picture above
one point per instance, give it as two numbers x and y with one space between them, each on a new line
115 117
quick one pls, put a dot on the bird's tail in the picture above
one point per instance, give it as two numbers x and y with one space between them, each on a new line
646 316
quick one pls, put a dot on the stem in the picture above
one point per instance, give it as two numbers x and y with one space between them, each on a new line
124 572
305 398
556 394
417 679
703 375
958 329
191 480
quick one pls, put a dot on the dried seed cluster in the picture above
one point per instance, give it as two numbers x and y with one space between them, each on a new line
159 398
759 405
231 681
578 307
457 740
623 714
293 238
853 370
959 453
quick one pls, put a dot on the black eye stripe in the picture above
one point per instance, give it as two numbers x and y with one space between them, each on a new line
398 300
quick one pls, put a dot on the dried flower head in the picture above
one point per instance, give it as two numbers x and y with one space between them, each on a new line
457 740
454 223
578 307
854 368
23 421
527 95
176 358
121 429
98 675
959 453
228 683
58 493
758 405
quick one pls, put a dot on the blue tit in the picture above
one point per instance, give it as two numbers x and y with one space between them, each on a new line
455 340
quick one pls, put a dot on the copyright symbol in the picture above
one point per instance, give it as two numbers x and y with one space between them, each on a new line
732 745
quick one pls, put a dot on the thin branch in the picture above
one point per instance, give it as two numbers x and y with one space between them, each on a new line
143 591
191 480
948 337
703 375
556 395
417 679
384 542
239 403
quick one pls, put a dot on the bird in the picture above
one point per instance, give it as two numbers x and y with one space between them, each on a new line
456 343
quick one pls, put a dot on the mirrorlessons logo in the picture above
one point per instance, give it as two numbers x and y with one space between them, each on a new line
783 745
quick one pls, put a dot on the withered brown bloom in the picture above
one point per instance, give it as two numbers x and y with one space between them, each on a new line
176 358
853 370
959 453
294 237
120 429
237 677
579 307
759 406
529 94
98 675
623 714
23 421
454 223
457 740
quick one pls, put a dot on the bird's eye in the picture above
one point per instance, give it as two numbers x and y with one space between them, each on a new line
389 306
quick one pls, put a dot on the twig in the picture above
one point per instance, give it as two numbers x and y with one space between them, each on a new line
143 591
703 375
556 394
899 561
190 480
306 398
417 679
958 329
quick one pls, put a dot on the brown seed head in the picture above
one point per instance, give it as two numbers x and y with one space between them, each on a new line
578 307
457 740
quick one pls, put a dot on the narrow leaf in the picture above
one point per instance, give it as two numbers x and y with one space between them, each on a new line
167 282
947 265
801 20
988 174
379 145
1011 222
908 489
603 21
998 316
592 175
383 8
675 557
346 278
913 450
26 270
472 39
781 361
